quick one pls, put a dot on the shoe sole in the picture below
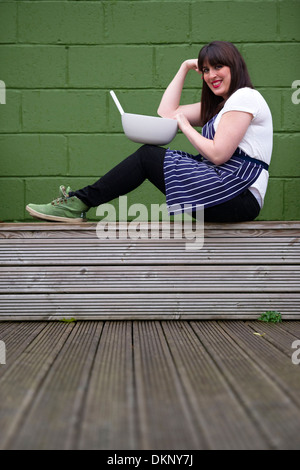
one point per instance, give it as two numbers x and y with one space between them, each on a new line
53 218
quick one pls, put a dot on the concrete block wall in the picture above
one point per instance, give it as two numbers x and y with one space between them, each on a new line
59 59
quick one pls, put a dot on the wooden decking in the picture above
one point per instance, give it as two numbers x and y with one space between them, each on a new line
50 271
138 385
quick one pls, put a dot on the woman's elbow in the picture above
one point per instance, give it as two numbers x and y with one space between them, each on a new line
164 114
220 159
218 156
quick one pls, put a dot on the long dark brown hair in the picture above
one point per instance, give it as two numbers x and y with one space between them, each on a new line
221 53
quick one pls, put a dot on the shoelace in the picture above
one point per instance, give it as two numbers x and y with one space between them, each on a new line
63 198
59 200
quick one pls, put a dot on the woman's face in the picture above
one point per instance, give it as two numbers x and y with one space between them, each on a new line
218 78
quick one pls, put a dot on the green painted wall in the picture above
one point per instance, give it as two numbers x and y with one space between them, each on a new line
59 59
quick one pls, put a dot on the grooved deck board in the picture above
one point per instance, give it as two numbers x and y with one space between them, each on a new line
146 306
20 381
96 279
153 252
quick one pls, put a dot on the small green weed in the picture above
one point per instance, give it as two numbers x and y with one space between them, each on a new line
68 320
271 317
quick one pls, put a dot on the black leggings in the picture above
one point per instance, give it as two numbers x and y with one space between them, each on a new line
148 163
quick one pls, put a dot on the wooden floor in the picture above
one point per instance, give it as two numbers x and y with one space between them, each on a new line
173 385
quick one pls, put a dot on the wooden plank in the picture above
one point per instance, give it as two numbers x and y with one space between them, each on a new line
110 414
279 335
20 382
17 339
251 251
74 243
49 229
273 354
74 279
209 393
158 388
292 327
147 306
6 326
273 412
54 417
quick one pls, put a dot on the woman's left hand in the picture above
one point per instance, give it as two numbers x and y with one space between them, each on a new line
182 121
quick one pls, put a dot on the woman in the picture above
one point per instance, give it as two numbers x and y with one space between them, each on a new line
228 177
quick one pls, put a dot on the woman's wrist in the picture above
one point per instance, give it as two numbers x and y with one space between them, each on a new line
185 67
183 122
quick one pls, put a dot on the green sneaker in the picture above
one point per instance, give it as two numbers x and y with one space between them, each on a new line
63 209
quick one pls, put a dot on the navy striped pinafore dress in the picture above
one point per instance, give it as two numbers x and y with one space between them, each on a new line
192 182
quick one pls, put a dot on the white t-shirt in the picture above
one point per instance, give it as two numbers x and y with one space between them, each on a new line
258 139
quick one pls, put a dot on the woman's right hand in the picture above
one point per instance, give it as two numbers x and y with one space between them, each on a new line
191 64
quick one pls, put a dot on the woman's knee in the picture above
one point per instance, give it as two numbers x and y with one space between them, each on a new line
147 150
150 155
